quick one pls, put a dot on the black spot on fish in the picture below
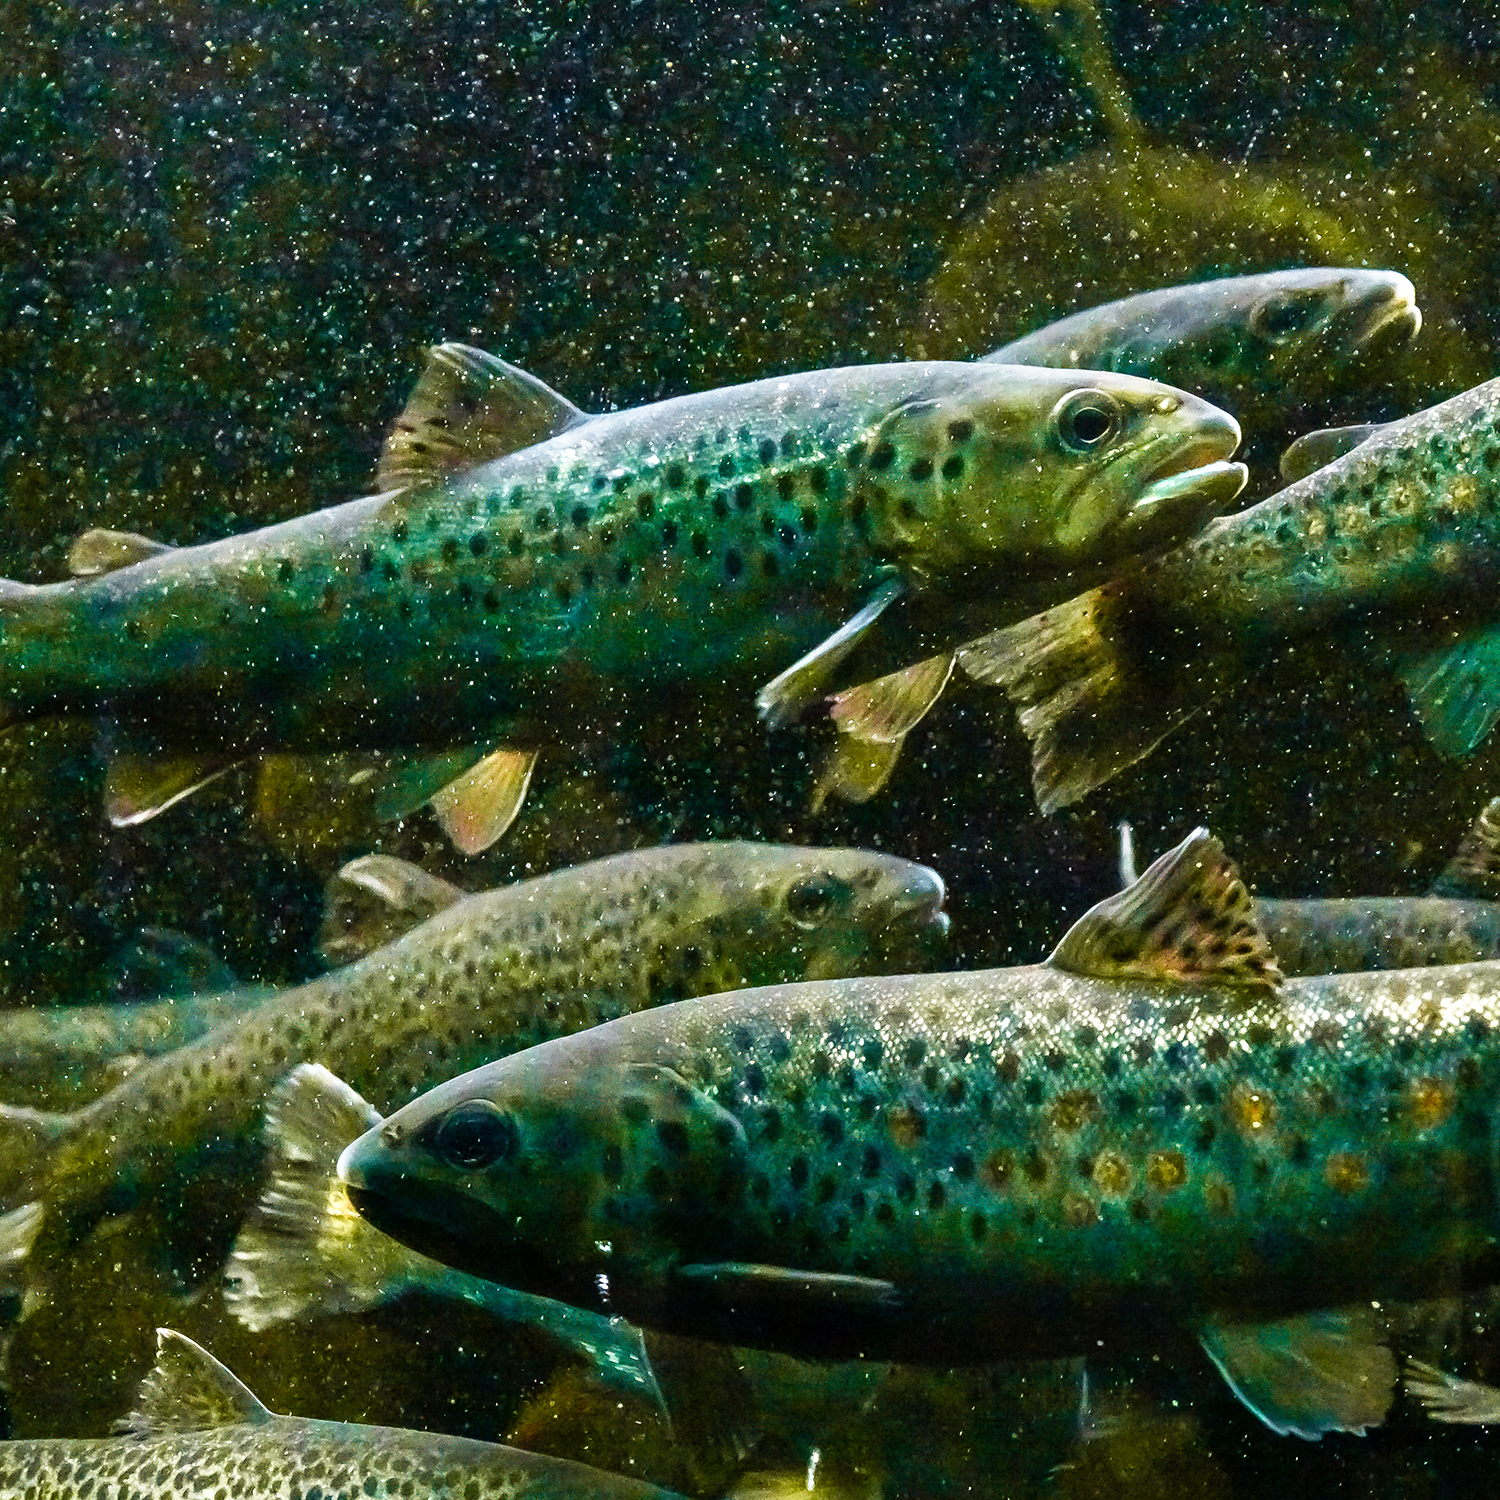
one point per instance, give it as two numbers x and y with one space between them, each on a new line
700 486
857 1204
937 1197
285 570
1127 1103
622 571
869 1162
864 1111
872 1052
767 451
726 467
366 560
779 1046
1173 1101
798 1172
963 1167
721 506
543 519
581 515
390 571
742 1039
960 431
818 479
979 1227
916 1050
830 1127
645 505
491 601
920 470
620 483
673 1135
599 481
634 1109
1477 1030
883 456
855 456
953 1095
564 592
1174 1056
788 538
586 576
613 1165
700 544
744 496
399 532
771 1124
479 544
906 1187
669 533
734 564
770 564
953 466
1204 1139
786 485
809 519
450 550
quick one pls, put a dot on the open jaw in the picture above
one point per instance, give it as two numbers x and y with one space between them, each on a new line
1200 470
1389 318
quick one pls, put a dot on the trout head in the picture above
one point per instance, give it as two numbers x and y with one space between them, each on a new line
1022 467
556 1171
1263 344
741 914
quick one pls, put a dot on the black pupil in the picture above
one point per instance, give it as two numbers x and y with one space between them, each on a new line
1090 425
810 898
476 1134
1285 318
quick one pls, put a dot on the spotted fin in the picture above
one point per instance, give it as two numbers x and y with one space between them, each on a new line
375 899
1325 1372
783 700
138 787
1455 689
1188 918
188 1390
468 408
100 551
1316 450
304 1251
480 805
1473 874
1446 1398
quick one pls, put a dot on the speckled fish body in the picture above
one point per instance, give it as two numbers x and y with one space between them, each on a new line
1261 346
700 543
491 973
210 1435
1401 535
960 1167
1354 933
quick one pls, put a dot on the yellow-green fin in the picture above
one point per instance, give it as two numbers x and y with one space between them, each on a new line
373 900
1189 918
468 408
854 771
480 805
1455 689
1323 1372
1316 450
188 1390
138 787
783 699
1446 1398
100 551
1473 874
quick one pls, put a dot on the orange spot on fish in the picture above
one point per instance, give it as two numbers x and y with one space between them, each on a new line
1347 1172
1112 1173
1078 1211
1429 1102
1251 1110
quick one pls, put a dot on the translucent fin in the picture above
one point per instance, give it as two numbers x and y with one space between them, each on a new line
302 1250
374 900
476 809
101 551
854 771
1473 874
782 700
1316 450
468 408
740 1282
138 787
188 1390
1455 689
1189 917
1446 1398
1129 874
1076 695
889 708
1326 1372
158 962
18 1233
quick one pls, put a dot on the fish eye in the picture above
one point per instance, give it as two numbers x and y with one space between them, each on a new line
475 1134
1086 420
1283 317
810 900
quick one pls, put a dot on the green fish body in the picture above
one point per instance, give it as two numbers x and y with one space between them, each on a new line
1400 536
1260 346
197 1430
492 972
1143 1137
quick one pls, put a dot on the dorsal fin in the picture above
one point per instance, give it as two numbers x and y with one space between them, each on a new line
1473 873
1189 917
101 551
1316 450
468 408
372 900
188 1390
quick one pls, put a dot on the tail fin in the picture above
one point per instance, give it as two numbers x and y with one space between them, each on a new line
1083 701
1473 874
304 1250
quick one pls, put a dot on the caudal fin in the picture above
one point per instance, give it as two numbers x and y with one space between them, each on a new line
1081 697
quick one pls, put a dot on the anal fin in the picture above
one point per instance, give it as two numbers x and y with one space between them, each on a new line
1455 689
1324 1372
138 787
477 808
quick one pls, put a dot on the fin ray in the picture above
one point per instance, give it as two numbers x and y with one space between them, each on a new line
476 809
188 1390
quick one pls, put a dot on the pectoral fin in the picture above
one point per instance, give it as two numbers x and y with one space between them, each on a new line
1473 874
100 551
1455 689
377 898
1188 918
480 805
785 697
468 408
138 787
1325 1372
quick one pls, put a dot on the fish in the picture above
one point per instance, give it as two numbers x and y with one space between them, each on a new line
1456 922
1397 542
494 971
1260 346
494 596
197 1429
1150 1136
304 1252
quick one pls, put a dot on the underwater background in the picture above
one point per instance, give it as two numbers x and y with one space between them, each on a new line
227 235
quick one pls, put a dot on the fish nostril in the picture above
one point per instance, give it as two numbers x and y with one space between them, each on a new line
390 1135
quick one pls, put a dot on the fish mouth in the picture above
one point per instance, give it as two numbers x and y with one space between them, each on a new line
1201 470
1386 320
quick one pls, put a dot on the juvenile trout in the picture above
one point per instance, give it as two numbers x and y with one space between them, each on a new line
691 548
1400 536
491 973
197 1430
1146 1135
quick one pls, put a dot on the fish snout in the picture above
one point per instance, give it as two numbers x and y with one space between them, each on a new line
1385 316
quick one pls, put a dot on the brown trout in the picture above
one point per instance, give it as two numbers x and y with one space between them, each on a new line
1399 538
491 973
197 1430
504 595
1148 1135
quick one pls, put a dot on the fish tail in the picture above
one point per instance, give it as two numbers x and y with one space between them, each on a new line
1084 693
304 1251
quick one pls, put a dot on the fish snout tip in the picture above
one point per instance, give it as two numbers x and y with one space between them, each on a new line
355 1159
